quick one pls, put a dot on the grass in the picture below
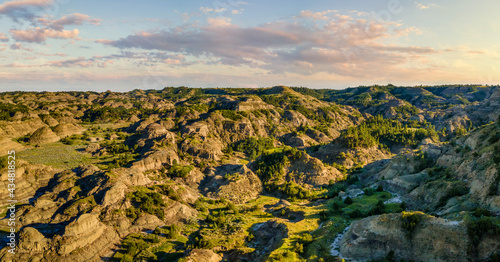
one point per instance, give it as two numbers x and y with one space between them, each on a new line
57 155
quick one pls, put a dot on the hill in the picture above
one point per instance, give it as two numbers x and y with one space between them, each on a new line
375 173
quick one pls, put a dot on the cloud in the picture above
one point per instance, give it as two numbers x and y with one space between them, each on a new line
424 6
18 46
23 9
81 62
56 54
310 42
138 58
40 35
4 38
72 19
16 65
207 10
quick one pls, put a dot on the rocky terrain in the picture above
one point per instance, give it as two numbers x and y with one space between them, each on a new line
380 173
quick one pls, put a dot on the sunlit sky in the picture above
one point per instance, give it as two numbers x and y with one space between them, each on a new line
49 45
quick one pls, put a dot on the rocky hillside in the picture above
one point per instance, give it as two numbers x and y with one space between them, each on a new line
273 174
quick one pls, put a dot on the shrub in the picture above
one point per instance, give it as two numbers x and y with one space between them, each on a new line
348 200
356 213
180 171
457 189
149 202
480 212
253 147
380 188
477 229
230 114
369 191
3 162
378 209
410 221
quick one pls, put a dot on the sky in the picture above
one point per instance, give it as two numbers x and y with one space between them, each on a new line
63 45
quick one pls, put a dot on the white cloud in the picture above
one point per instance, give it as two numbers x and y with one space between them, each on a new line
422 6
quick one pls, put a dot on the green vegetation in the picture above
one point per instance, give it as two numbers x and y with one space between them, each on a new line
253 147
230 114
57 155
387 132
177 170
458 188
410 221
477 229
105 114
7 111
313 217
149 202
3 162
74 139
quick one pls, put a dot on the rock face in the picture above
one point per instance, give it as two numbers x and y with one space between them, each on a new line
178 212
8 144
154 130
84 239
156 160
43 135
202 255
67 129
313 172
267 237
236 183
29 178
434 239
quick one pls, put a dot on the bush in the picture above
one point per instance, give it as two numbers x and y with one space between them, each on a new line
356 213
369 191
180 171
230 114
253 147
457 189
348 201
480 212
477 229
149 202
380 188
3 162
377 209
410 221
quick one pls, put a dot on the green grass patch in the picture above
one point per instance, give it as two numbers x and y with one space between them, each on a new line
57 155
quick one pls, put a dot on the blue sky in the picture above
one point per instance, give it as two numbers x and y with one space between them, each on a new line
123 45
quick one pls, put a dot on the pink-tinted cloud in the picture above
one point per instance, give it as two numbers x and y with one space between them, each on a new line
72 19
56 54
40 35
23 9
309 43
17 65
3 37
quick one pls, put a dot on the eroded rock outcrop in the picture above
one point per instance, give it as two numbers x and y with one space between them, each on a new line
432 239
43 135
